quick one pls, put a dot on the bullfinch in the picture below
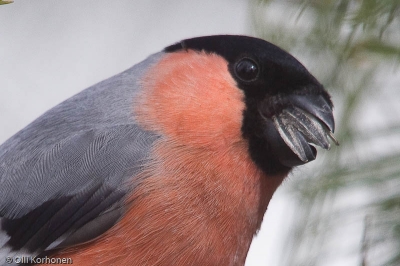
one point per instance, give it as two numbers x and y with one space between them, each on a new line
171 162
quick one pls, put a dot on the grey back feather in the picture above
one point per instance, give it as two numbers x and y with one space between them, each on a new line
68 167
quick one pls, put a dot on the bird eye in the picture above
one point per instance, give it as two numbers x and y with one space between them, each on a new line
246 69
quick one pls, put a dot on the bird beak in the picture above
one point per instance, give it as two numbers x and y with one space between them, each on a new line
305 120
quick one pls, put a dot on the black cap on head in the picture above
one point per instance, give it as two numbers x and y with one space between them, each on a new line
273 63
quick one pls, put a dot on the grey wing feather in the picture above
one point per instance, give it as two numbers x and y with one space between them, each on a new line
62 178
86 159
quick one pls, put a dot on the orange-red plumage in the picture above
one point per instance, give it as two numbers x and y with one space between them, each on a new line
191 97
204 198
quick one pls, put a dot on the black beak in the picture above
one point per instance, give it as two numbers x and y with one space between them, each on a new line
305 120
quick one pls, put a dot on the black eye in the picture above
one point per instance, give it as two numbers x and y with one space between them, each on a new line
246 69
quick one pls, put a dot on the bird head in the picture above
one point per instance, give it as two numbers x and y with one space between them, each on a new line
287 111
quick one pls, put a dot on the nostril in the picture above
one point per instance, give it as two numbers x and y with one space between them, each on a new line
272 105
